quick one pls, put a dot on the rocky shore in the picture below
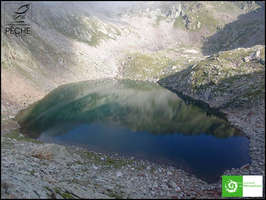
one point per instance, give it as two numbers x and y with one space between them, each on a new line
31 169
239 95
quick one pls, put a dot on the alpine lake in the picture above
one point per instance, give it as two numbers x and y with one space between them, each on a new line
140 119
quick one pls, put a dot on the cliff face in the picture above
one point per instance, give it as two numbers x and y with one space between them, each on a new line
145 41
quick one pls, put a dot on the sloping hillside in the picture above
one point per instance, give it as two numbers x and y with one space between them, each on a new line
72 42
232 78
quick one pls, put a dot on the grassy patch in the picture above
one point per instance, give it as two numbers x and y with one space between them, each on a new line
159 19
179 23
67 195
32 172
225 65
56 190
114 194
228 76
144 66
91 156
15 134
225 7
116 163
107 162
197 12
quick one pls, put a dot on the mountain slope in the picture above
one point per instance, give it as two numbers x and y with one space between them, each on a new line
71 42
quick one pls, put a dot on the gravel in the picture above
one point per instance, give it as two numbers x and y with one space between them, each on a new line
32 170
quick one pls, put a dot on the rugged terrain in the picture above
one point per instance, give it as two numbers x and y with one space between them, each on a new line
213 52
140 41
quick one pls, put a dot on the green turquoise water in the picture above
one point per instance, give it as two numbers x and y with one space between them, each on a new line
137 119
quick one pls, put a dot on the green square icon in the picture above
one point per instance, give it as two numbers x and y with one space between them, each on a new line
232 186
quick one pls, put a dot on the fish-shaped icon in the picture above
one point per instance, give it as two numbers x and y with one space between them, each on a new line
23 9
21 12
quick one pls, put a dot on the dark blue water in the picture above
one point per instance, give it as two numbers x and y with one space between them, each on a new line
137 119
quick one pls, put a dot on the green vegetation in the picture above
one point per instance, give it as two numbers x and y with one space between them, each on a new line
107 162
65 195
158 19
15 134
179 23
222 66
227 75
144 66
225 7
116 163
32 172
113 194
91 156
196 16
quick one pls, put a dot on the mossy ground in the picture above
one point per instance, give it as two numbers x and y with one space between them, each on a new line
179 23
15 134
226 75
106 161
196 12
146 66
225 65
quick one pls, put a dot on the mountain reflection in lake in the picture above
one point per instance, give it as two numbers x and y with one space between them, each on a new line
140 119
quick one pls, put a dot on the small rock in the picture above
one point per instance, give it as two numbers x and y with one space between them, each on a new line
172 184
118 174
198 24
257 54
246 59
94 167
169 173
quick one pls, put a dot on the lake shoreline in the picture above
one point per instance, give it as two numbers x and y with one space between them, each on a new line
248 119
183 184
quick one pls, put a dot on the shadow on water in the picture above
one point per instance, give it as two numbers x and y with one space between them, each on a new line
138 119
248 30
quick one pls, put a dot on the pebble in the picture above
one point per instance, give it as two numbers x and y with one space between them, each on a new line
118 174
94 167
169 173
173 185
